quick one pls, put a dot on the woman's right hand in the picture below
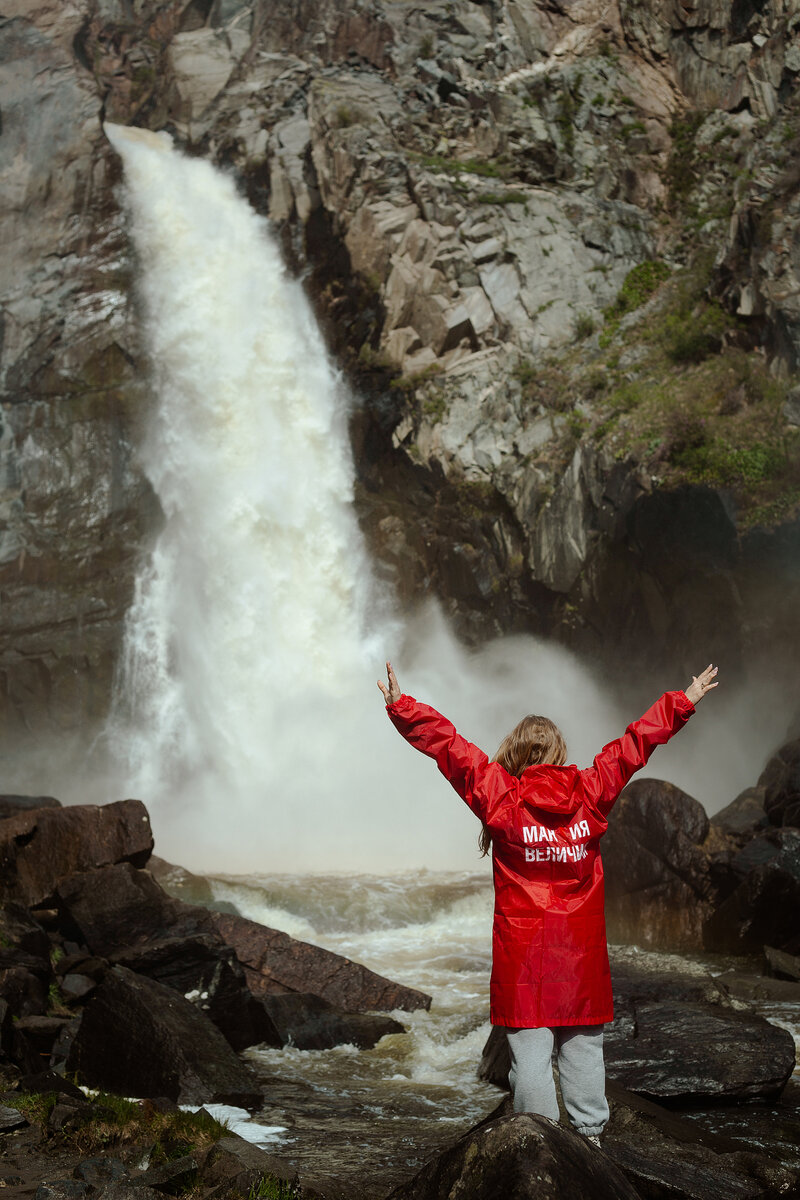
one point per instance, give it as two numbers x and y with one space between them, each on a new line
701 684
393 692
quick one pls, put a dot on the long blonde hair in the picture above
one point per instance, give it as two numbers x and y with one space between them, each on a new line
535 741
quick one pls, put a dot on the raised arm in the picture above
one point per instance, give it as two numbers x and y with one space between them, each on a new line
617 762
483 785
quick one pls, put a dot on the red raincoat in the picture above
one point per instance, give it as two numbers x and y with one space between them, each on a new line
549 952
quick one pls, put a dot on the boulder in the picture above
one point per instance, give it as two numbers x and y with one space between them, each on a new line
780 780
786 966
39 849
744 815
24 982
208 973
11 806
20 930
763 908
140 1038
663 1154
310 1023
235 1167
657 876
275 962
34 1038
520 1157
686 1053
100 1170
119 906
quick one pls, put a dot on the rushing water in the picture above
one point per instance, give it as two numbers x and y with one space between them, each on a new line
373 1116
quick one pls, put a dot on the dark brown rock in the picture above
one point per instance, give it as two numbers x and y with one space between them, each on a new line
522 1157
780 780
684 1053
208 973
34 1037
62 1189
11 1118
663 1154
140 1038
19 929
11 806
275 962
744 815
173 1176
97 1171
763 908
41 848
49 1081
119 906
24 982
76 987
657 876
786 966
310 1023
234 1165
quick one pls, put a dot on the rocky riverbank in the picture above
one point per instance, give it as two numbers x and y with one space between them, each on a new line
107 979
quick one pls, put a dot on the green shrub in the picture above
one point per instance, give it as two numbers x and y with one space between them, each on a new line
268 1187
639 285
692 337
583 327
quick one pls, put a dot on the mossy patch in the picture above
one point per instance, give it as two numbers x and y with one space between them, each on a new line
111 1121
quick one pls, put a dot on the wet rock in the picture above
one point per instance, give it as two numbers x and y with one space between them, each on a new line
173 1176
657 876
663 1154
685 1053
787 966
11 1118
519 1157
68 1114
125 1189
310 1023
275 962
207 973
24 982
97 1171
50 1081
140 1038
62 1189
235 1165
120 906
759 987
11 806
780 780
76 987
762 909
744 815
19 929
34 1037
41 848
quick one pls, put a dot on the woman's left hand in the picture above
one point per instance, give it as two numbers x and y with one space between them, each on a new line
701 684
393 692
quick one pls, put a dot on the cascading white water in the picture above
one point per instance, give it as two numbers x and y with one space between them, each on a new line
246 713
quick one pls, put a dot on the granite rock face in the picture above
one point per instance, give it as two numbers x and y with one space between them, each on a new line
468 187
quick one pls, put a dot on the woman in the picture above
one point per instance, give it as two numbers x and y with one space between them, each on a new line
550 977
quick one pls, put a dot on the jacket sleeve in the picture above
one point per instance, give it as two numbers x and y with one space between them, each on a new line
617 762
483 785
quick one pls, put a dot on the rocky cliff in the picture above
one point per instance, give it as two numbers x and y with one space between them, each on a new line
553 242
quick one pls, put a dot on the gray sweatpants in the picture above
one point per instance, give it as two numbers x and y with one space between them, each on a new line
580 1067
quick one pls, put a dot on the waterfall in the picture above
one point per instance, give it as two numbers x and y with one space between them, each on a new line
245 713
